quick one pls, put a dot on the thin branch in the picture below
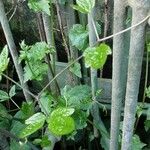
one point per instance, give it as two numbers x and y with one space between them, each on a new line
94 26
59 75
100 40
62 31
123 31
15 9
33 95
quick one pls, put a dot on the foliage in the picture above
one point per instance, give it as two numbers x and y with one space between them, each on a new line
4 60
76 69
136 143
35 67
34 123
60 121
79 36
40 5
147 92
95 57
84 6
4 96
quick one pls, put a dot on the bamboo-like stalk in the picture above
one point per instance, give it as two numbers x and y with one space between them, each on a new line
13 49
71 20
48 27
140 7
120 63
94 80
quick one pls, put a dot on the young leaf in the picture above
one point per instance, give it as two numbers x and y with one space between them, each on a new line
4 60
12 91
95 57
3 96
34 123
79 36
76 69
84 6
60 122
40 5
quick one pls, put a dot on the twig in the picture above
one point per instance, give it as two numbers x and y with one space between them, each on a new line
33 95
15 9
100 40
62 31
123 31
57 75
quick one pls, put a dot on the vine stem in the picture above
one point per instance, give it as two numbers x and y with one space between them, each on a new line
57 75
100 40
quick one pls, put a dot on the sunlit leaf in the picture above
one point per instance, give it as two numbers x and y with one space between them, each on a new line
4 60
95 57
60 122
34 123
84 6
40 5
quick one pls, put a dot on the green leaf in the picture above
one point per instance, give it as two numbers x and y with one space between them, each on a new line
136 143
76 69
78 97
148 47
12 91
4 60
46 103
40 5
4 113
35 71
45 141
3 96
80 118
95 57
36 118
79 36
60 122
27 109
105 142
147 92
34 123
19 146
84 6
